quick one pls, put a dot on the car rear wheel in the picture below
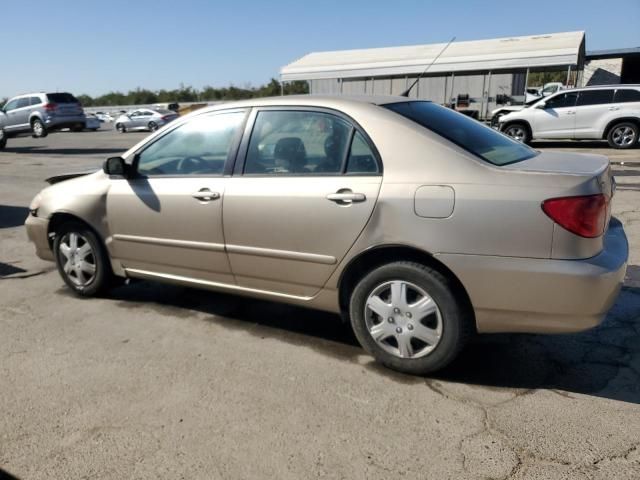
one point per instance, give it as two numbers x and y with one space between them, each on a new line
38 129
81 260
408 317
623 135
120 127
518 132
153 126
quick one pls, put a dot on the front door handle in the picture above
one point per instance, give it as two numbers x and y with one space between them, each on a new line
614 108
205 195
346 197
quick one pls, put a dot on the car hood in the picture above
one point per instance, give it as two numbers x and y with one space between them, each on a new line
66 176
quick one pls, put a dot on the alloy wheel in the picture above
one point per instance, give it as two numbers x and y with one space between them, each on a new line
38 129
517 133
403 319
623 136
78 259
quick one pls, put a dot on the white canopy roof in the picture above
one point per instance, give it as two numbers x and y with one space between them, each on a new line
554 49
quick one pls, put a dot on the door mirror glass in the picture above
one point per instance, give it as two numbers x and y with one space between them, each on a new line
541 105
114 166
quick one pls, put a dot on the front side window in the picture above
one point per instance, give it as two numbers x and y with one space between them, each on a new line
595 97
625 95
482 141
12 105
198 147
561 101
295 142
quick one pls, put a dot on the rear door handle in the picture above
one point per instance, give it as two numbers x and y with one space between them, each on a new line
205 195
346 197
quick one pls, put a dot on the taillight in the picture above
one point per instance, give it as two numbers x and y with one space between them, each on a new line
585 215
50 107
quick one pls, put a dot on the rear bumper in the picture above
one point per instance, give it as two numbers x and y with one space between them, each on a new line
37 233
543 295
60 122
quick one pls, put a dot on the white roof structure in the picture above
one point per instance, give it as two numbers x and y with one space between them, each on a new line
548 50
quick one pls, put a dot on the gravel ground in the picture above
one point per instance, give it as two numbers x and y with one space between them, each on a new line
165 382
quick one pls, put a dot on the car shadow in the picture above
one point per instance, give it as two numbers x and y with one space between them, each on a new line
42 150
12 216
4 475
596 362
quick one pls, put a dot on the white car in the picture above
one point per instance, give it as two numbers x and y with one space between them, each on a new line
104 117
531 96
144 119
610 112
92 122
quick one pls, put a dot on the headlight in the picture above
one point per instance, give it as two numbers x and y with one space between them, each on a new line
35 204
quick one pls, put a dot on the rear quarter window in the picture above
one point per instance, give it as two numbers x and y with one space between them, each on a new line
483 142
625 95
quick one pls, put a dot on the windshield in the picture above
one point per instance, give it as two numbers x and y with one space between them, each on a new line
482 141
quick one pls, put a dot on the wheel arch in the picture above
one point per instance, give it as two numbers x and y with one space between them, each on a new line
613 123
60 218
379 255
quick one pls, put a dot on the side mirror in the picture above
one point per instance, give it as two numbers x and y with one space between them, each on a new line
115 166
541 105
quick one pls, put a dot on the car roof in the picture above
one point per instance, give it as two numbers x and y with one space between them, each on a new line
331 101
599 87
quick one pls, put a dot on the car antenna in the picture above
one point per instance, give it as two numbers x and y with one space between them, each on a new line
406 92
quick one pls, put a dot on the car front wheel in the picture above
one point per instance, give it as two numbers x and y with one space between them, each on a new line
120 128
81 260
623 135
518 132
3 139
409 317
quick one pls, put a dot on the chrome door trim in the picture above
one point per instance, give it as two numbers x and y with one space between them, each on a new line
134 272
169 242
284 254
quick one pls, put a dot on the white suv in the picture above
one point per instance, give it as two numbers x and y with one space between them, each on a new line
609 112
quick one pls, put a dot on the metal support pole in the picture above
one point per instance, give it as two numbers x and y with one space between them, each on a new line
486 112
282 88
568 75
453 79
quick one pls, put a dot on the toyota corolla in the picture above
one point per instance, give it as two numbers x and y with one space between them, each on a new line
417 224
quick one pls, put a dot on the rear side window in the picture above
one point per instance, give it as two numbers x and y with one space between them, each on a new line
296 142
361 157
61 98
595 97
482 141
625 95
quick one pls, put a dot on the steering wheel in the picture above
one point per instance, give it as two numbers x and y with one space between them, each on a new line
191 165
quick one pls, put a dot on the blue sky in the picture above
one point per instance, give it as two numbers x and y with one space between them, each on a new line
94 47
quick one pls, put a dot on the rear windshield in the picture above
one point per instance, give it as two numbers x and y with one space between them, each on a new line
486 143
61 98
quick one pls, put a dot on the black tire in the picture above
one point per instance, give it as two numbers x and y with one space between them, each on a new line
121 128
623 135
518 131
455 317
38 130
102 278
3 139
153 126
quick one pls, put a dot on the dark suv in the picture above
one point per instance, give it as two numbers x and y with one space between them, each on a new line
39 114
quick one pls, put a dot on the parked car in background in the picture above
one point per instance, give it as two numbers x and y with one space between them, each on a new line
419 224
104 117
144 119
92 122
40 114
532 95
610 112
